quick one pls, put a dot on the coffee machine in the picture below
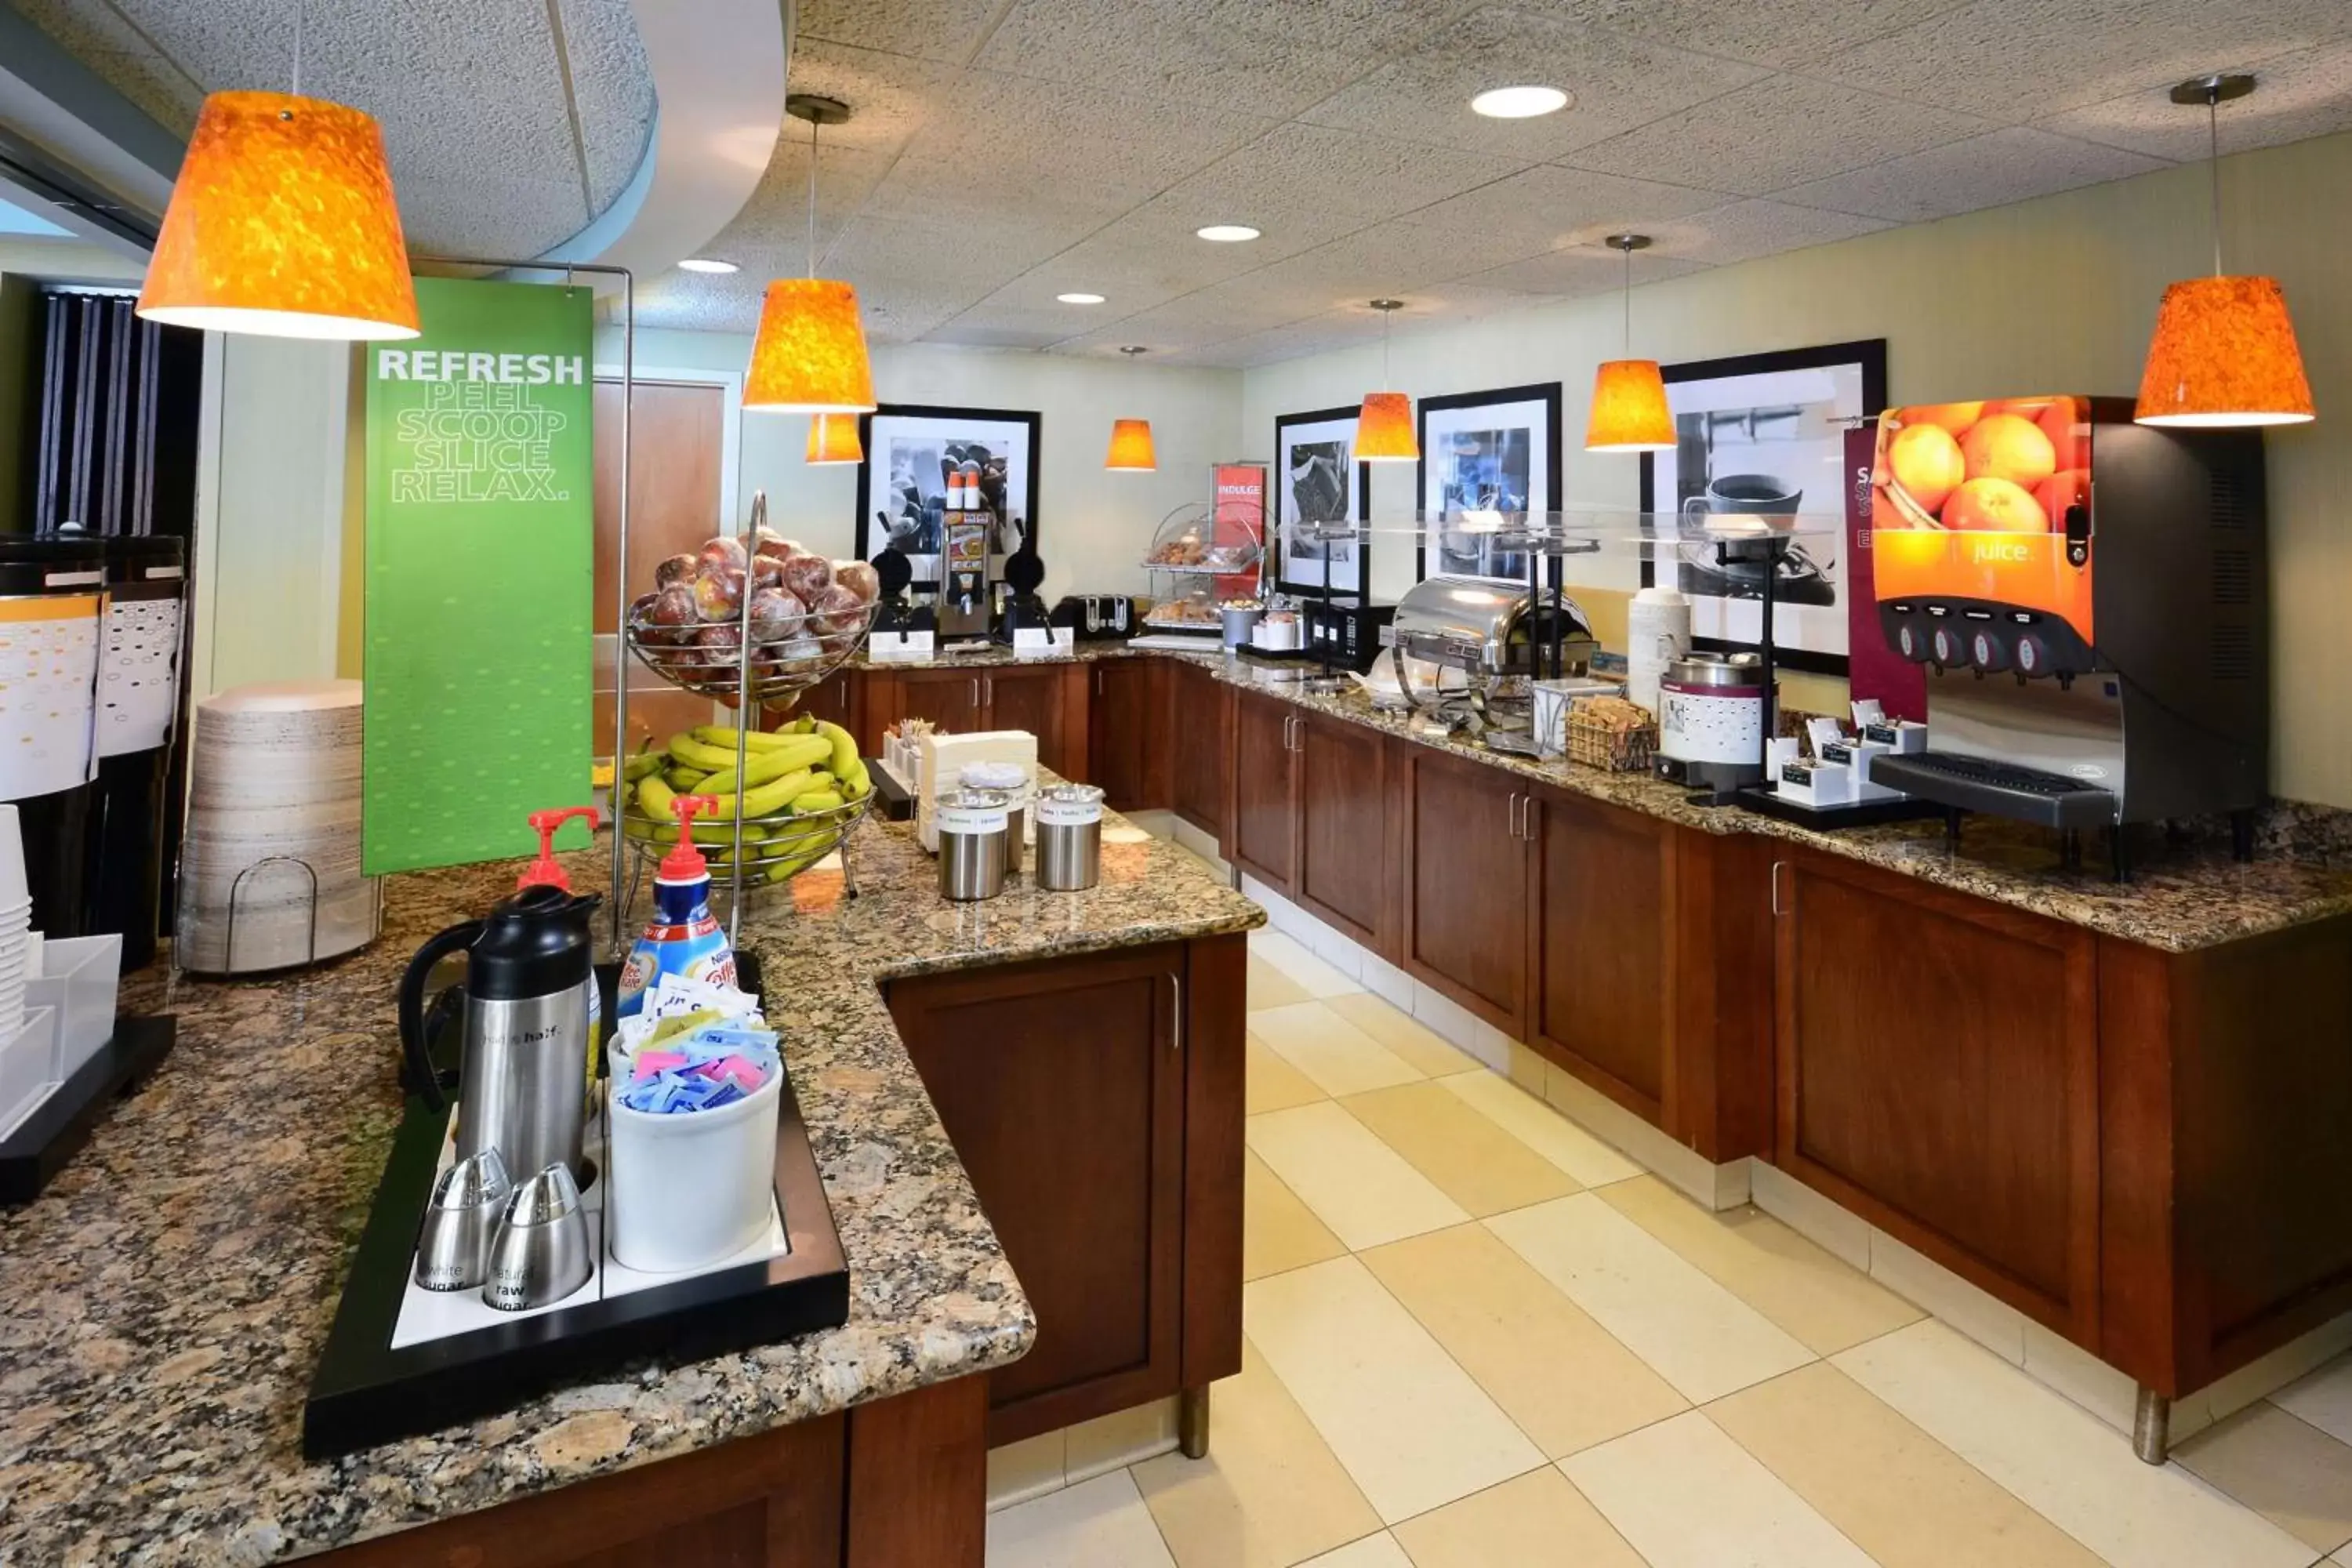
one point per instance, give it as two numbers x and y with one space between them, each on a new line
2090 598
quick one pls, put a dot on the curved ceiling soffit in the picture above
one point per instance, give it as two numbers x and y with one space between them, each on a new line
719 69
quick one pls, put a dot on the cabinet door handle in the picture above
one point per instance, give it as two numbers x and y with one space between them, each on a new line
1527 819
1175 1010
1514 828
1775 888
988 689
1098 681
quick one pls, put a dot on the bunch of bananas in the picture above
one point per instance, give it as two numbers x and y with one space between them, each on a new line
793 784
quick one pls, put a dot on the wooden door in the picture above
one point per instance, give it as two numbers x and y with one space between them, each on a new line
950 698
1200 753
1604 927
1030 700
1343 827
1119 732
1939 1074
1265 809
1465 883
678 440
1062 1086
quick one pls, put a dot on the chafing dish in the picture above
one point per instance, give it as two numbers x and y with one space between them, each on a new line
1491 631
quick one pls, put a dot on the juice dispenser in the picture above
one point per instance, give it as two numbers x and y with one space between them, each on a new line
2090 599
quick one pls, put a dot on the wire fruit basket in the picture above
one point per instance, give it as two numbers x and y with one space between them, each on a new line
789 652
776 847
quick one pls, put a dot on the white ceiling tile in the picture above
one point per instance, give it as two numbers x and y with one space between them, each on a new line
2307 93
614 87
1777 133
771 234
95 33
1746 230
1012 121
1319 171
946 30
891 96
1787 33
969 334
2014 60
1584 270
2011 165
1252 60
1547 207
1390 259
1617 82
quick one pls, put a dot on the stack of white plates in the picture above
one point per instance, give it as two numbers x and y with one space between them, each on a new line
16 922
274 797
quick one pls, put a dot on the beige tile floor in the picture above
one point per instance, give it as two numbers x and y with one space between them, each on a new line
1480 1338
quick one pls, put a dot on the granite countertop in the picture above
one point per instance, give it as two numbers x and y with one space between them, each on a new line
165 1301
2181 896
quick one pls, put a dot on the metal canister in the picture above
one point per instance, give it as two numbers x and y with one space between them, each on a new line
1069 837
973 825
1013 779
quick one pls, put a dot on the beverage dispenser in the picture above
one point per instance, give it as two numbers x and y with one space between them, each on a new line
2090 598
52 604
137 713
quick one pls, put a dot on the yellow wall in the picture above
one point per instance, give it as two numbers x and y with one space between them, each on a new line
2054 295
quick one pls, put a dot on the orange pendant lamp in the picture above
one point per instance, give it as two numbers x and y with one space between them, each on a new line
808 356
1629 395
2224 353
832 439
1131 439
1130 447
282 224
1385 432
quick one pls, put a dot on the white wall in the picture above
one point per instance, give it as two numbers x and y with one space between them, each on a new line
1093 526
2054 295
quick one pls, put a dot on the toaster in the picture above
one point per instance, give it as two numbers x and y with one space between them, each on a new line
1098 617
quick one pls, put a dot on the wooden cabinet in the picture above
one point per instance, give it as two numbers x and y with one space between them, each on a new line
1601 913
1201 748
950 698
1939 1074
1097 1104
1128 732
1035 699
1263 811
1465 882
1341 785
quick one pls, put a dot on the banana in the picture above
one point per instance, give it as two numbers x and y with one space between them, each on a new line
643 765
843 747
654 796
721 736
854 781
683 780
811 802
690 752
796 755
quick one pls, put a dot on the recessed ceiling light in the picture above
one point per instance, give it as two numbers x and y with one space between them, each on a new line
707 264
1079 298
1519 103
1227 232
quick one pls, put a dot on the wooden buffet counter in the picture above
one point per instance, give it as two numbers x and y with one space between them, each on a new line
2114 1108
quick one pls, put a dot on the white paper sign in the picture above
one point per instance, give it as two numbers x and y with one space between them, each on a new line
899 645
1035 642
138 696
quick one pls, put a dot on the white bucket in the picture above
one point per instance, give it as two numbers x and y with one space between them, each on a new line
690 1188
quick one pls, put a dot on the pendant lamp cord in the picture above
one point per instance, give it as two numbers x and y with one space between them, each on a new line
2213 165
1384 350
812 254
1629 301
300 6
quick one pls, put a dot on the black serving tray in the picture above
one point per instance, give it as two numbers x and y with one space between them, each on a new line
366 1392
58 1128
1760 798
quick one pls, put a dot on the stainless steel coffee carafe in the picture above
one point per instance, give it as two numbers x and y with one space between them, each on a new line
522 1073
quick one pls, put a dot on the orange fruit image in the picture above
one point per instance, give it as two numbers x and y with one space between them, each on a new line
1953 417
1995 506
1927 463
2009 446
2067 487
2057 422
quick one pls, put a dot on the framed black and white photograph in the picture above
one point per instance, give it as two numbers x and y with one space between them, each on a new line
1764 435
1317 479
916 453
1487 459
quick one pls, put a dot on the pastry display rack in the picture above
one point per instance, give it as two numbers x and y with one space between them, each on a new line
751 662
1199 559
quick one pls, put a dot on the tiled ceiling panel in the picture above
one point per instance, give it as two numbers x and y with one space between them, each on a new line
1003 152
478 120
1617 83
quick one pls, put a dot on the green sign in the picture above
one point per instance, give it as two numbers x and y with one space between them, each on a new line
480 566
